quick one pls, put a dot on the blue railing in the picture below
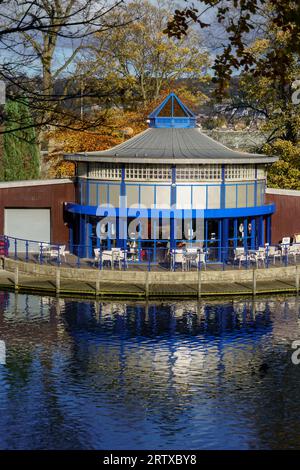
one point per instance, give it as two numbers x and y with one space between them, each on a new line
185 257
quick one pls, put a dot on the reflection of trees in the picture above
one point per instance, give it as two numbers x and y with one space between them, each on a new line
30 326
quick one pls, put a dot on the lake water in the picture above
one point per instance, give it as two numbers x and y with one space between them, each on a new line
117 375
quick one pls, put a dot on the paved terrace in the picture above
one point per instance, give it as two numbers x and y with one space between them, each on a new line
72 261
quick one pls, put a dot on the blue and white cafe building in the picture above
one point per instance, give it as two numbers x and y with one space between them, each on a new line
169 187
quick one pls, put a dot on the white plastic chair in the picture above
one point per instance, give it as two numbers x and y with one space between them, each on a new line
295 250
273 252
96 255
179 258
120 257
260 255
201 259
44 249
239 255
58 252
285 246
104 256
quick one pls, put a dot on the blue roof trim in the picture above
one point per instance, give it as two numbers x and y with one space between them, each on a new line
187 121
267 209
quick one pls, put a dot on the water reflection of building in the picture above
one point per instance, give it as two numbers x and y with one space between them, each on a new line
178 343
115 366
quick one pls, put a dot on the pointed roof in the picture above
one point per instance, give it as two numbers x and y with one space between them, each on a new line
171 146
172 113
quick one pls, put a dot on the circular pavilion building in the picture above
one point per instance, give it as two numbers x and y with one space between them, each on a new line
159 178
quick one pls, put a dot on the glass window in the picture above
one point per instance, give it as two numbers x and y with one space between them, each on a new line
132 193
147 196
81 169
250 196
183 197
92 194
242 195
199 197
260 193
163 197
230 195
83 191
114 195
102 194
213 197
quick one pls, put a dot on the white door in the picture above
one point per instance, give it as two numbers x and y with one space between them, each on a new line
27 224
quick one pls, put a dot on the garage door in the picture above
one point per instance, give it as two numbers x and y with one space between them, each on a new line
27 224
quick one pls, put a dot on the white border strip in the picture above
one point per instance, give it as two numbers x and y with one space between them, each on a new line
26 183
283 192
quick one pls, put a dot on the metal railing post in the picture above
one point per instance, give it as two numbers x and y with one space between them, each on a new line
199 280
16 278
97 291
57 281
78 257
41 253
147 285
26 249
254 282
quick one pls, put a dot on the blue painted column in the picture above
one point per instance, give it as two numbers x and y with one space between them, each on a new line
173 204
121 233
89 240
87 195
220 240
245 241
253 234
225 235
71 234
261 231
255 187
223 189
82 235
269 229
235 233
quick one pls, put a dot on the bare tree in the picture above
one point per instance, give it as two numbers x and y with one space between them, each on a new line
39 41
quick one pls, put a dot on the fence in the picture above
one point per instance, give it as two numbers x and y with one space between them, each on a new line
191 257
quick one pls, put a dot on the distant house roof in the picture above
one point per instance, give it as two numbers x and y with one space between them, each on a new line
172 138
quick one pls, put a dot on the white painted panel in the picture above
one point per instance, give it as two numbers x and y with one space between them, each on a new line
199 197
27 224
163 197
184 197
213 196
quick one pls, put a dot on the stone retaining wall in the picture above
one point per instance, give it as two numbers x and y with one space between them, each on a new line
140 277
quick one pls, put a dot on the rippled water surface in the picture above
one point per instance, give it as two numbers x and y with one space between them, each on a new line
89 375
